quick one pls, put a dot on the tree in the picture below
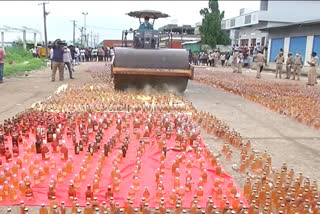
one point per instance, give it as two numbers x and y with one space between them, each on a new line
210 29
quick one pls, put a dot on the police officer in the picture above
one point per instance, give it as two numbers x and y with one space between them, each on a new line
259 62
289 65
279 63
234 61
240 62
312 74
297 66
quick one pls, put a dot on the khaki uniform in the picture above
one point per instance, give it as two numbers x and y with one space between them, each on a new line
57 66
216 59
279 63
289 66
312 74
239 63
297 67
259 63
234 61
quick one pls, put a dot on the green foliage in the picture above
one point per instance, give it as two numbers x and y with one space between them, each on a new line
19 60
210 30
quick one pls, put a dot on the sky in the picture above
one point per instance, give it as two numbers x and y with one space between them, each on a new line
105 18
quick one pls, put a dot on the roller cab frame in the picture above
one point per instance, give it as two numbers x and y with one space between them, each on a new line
146 63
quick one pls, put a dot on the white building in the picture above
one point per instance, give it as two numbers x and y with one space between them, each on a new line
302 37
244 29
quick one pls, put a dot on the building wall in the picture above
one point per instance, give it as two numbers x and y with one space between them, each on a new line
252 32
293 11
295 31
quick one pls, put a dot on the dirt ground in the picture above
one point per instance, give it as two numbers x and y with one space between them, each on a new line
285 139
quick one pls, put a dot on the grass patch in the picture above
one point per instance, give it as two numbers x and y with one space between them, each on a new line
22 61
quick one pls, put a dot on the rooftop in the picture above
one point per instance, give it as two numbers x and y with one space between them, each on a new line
308 22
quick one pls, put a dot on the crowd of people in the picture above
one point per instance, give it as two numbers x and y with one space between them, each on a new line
238 59
62 55
213 58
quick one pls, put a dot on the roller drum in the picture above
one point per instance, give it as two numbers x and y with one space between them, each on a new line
151 58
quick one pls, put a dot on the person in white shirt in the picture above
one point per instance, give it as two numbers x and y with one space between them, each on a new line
111 53
94 54
67 60
77 55
82 55
223 59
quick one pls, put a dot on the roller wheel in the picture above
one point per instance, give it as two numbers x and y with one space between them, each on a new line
160 83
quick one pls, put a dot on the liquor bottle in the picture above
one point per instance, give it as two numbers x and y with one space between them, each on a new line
76 148
15 181
74 206
89 193
13 193
53 203
194 206
55 209
95 203
28 192
50 134
15 150
43 209
59 176
146 194
103 207
80 145
45 151
64 152
109 193
88 209
21 208
38 145
8 155
71 192
63 209
95 186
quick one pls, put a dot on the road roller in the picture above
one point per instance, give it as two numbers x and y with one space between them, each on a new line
146 64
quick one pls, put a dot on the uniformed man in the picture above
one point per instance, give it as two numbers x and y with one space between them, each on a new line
217 58
289 65
240 62
279 63
260 60
234 61
312 74
297 66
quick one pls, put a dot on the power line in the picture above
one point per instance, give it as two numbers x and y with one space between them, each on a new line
103 28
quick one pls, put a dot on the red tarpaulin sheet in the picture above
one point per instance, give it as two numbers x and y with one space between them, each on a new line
150 162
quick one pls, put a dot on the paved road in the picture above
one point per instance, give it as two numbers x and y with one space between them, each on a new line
285 139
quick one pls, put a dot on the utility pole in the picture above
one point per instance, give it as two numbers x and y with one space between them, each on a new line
84 24
97 38
81 37
74 32
94 40
45 25
91 38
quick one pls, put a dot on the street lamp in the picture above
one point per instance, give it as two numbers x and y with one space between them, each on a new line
85 35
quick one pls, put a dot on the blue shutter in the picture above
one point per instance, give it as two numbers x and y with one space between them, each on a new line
316 46
276 44
298 44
